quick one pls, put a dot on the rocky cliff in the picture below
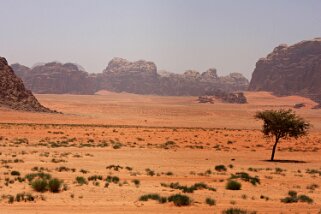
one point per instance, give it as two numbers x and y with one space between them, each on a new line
120 75
290 70
56 78
13 93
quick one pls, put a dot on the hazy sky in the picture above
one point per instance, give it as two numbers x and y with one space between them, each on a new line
230 35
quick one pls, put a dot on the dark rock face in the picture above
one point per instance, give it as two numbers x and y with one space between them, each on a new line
56 78
13 93
291 70
193 83
138 77
120 75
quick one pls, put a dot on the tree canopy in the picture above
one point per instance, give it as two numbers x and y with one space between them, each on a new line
282 124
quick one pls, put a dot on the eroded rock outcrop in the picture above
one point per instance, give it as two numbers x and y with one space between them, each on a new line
121 75
13 93
134 77
291 70
57 78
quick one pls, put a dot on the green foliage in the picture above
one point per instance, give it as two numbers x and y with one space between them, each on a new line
246 177
15 173
81 180
180 200
210 201
147 197
294 197
281 124
136 182
220 168
237 211
189 189
233 185
39 185
54 185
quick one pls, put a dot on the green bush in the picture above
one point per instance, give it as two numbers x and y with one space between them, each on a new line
294 197
305 198
237 211
233 185
210 201
54 185
81 180
180 200
147 197
40 185
220 168
15 173
246 177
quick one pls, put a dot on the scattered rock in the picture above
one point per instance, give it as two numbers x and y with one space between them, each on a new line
206 99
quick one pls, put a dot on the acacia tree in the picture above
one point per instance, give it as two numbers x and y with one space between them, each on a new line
282 124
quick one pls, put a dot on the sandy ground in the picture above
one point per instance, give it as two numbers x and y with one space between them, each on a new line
176 138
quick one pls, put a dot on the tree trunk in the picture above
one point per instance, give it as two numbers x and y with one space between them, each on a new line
274 147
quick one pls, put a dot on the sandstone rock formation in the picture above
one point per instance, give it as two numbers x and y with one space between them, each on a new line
140 77
134 77
13 94
291 70
56 78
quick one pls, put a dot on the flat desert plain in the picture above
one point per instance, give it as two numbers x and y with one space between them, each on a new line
110 149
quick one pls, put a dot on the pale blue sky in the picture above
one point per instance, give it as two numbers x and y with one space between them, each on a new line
230 35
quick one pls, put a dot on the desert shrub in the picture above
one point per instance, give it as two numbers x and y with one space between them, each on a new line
81 180
114 167
113 179
15 173
24 197
220 168
39 185
305 198
294 197
95 178
233 185
189 189
150 172
246 177
40 175
210 201
237 211
10 199
312 186
147 197
54 185
180 200
136 182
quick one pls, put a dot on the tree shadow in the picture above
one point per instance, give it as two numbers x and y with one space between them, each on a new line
285 161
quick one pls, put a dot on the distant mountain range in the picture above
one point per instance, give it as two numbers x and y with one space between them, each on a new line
288 70
140 77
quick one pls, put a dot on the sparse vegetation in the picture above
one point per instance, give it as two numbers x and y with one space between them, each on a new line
40 185
210 201
220 168
246 177
233 185
294 197
180 200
